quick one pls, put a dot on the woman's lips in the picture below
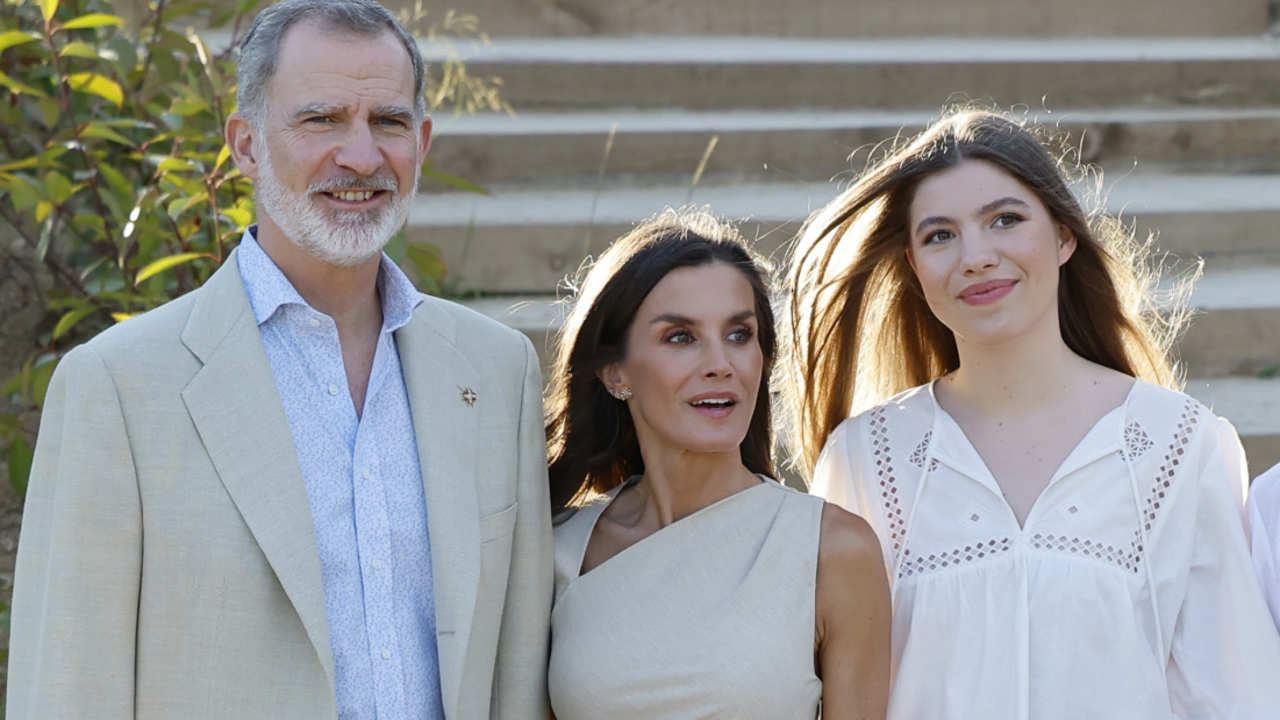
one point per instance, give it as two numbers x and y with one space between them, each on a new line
984 293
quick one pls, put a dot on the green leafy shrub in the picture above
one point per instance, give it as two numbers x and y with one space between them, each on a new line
113 172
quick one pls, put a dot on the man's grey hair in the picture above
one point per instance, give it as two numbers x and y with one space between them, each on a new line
260 48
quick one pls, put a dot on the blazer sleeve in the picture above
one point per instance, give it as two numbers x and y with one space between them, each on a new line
78 569
520 675
1225 652
1264 512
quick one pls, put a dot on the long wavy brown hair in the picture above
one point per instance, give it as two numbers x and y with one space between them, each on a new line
857 329
591 439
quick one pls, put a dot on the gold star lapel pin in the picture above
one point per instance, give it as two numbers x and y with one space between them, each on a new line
469 396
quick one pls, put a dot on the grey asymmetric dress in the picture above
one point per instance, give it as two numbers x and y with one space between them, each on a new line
712 616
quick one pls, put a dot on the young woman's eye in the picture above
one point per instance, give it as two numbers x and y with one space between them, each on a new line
741 335
1004 220
679 337
937 236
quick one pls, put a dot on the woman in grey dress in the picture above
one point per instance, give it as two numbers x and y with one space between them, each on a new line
689 583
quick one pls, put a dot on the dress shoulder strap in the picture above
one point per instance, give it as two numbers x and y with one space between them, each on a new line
572 534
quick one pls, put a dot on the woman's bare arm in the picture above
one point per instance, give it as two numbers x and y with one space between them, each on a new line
853 619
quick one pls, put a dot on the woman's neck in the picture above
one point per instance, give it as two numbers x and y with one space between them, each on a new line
1034 370
681 482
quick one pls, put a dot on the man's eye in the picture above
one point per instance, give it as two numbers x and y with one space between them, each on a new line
319 119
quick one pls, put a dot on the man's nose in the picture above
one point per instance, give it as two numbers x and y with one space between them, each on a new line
359 151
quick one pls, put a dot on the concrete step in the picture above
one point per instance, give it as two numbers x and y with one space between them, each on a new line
1251 403
867 18
526 240
1253 406
700 73
1236 330
809 145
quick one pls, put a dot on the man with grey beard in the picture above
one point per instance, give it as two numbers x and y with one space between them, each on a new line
304 490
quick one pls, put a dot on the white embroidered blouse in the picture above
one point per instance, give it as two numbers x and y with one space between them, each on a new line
1264 528
1127 594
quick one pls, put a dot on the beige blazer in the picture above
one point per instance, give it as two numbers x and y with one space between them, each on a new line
167 566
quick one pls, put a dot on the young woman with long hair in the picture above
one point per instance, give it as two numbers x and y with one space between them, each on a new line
1061 527
688 583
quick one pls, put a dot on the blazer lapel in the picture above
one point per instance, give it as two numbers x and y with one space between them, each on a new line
236 408
436 375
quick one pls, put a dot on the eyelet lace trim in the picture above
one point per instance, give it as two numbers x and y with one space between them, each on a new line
889 494
1125 560
1136 441
1164 479
952 558
1136 444
921 452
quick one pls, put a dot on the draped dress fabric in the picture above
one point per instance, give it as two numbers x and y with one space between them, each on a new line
712 616
1126 594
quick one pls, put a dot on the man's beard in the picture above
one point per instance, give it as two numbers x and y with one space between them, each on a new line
344 238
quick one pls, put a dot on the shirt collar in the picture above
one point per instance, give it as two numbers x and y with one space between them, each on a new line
269 289
952 447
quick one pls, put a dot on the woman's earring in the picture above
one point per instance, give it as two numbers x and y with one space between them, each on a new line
622 393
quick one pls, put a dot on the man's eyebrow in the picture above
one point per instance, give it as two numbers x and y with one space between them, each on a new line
940 219
319 109
393 111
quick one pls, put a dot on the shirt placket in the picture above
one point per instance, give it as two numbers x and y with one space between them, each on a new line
373 538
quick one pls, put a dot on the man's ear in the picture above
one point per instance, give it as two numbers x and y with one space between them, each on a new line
425 139
1066 244
239 134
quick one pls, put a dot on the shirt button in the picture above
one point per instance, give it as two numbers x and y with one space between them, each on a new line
386 654
315 322
377 564
333 389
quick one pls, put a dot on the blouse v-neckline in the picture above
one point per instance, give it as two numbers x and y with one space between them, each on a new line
951 445
613 494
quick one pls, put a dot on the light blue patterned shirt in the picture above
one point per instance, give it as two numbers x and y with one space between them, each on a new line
364 483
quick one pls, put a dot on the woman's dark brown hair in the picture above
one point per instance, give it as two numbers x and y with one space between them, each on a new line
858 330
591 441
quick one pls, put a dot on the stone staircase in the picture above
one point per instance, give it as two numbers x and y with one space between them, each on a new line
1179 106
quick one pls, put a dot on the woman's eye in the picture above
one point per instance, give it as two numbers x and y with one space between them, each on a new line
741 335
1004 220
679 337
937 236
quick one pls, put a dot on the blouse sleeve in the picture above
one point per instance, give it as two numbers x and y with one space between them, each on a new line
838 479
833 473
1225 652
1264 511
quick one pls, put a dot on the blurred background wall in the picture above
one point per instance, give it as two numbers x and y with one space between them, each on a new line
755 108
